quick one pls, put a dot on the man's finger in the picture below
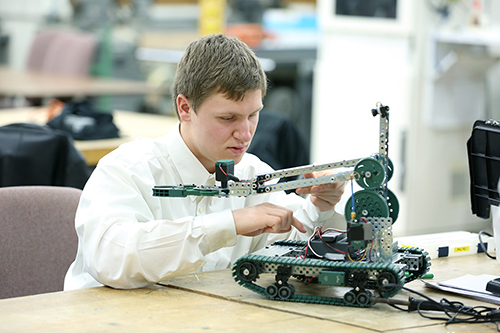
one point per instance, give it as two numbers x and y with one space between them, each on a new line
298 225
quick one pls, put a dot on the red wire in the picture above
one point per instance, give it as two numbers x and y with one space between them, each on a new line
220 167
319 235
225 174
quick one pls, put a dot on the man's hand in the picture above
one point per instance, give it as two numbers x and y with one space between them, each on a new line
265 217
326 196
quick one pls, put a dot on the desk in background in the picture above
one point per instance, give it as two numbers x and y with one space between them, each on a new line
212 301
33 84
131 125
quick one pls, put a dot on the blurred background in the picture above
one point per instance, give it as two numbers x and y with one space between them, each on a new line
434 62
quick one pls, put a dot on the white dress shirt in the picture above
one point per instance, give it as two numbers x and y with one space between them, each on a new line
129 239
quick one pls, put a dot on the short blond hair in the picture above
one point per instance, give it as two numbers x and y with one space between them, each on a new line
217 64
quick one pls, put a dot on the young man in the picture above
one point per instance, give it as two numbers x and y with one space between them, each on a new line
130 239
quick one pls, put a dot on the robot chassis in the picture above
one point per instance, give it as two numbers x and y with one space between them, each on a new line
358 260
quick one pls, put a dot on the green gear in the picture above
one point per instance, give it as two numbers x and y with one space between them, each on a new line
392 203
371 173
368 203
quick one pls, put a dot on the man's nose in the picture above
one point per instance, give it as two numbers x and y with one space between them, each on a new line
244 131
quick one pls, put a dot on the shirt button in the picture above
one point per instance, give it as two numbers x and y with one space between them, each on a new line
223 242
200 210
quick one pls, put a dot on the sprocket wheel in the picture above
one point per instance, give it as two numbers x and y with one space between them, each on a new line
384 280
248 271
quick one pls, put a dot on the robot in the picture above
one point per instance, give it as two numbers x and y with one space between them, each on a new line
359 261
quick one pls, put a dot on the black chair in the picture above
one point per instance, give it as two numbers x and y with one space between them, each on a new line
278 142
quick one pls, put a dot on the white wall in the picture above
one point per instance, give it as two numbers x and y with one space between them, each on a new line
437 166
353 73
21 19
357 69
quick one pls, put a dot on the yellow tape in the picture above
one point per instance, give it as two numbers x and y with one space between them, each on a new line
462 249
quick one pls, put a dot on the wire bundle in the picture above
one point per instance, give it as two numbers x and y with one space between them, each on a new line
318 232
454 312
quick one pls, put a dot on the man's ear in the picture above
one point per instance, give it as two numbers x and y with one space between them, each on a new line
184 107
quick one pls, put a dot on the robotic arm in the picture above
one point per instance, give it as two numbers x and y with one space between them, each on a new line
369 173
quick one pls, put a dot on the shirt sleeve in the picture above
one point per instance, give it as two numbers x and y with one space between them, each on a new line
125 244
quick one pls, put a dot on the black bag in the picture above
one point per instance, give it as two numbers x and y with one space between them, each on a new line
83 121
483 149
39 155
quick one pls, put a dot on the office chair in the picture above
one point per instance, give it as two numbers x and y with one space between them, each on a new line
62 51
38 241
278 142
39 47
66 52
70 52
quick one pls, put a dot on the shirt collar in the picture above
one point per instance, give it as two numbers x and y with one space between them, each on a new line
188 166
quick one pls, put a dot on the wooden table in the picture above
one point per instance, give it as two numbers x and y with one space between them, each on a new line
212 301
35 84
131 125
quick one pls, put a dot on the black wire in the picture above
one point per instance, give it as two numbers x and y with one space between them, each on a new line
233 177
397 307
481 244
469 315
228 175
